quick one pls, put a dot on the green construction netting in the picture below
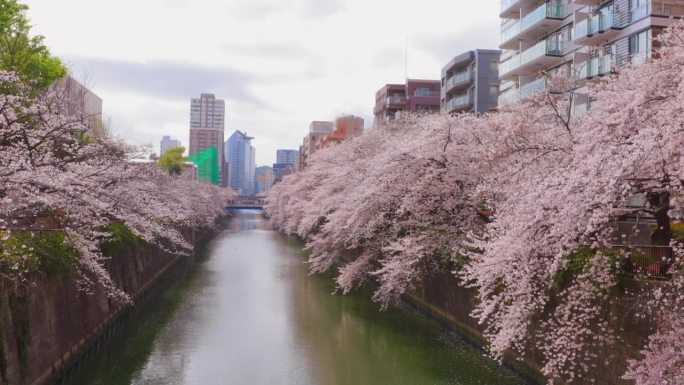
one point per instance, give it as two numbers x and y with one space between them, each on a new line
207 164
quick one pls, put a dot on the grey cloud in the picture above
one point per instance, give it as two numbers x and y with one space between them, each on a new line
166 79
444 48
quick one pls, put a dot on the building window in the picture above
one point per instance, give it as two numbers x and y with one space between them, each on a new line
494 91
421 91
494 66
639 43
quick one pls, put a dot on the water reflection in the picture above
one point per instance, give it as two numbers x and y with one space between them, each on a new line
253 315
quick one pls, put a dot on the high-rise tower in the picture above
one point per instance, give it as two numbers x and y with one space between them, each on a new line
207 121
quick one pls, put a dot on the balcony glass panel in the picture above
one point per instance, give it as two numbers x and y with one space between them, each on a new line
598 66
640 12
552 46
459 101
508 97
515 95
458 78
600 23
395 99
550 10
505 4
604 64
510 32
530 89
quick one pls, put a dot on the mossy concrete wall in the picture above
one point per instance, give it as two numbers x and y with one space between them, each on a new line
45 325
444 299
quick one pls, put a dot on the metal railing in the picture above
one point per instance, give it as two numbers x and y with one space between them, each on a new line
650 261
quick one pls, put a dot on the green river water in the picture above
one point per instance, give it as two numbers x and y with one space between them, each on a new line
247 312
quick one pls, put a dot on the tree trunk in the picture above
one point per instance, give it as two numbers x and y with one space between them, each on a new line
660 203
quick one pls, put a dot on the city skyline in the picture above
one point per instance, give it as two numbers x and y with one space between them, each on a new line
274 85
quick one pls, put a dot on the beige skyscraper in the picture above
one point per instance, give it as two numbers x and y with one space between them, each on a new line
207 121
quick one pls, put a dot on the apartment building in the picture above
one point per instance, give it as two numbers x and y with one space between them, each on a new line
346 127
413 96
583 38
207 120
470 82
317 131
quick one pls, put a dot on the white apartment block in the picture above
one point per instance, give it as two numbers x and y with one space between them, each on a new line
585 38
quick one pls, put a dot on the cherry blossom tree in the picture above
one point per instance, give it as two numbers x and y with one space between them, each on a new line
369 206
52 166
407 199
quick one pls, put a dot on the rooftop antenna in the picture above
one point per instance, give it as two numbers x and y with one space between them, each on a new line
406 58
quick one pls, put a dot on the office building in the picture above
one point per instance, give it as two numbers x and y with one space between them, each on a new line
582 38
412 97
265 178
281 170
207 120
288 156
470 82
241 159
167 143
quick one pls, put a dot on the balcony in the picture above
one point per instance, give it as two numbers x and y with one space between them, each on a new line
459 80
545 18
547 53
510 9
600 28
515 95
507 8
395 101
589 2
459 103
596 67
580 109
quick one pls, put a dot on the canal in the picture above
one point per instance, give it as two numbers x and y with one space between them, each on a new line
247 312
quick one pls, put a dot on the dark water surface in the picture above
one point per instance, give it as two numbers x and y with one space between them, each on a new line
248 313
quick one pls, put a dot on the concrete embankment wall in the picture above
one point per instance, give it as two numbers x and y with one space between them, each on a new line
46 325
443 299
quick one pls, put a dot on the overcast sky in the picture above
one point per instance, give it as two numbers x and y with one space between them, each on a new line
279 64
